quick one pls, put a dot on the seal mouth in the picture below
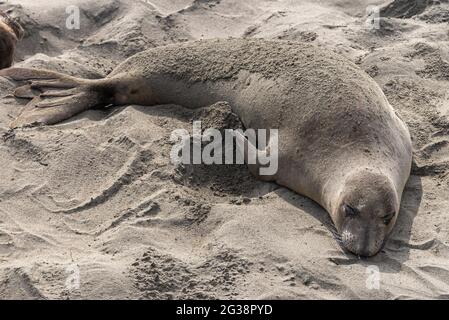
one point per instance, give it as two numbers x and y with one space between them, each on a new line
349 248
13 24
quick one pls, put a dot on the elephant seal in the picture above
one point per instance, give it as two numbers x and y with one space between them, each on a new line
340 142
10 33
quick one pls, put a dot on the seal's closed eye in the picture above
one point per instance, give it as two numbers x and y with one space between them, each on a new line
387 218
350 211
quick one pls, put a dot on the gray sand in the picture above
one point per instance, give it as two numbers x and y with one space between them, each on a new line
154 230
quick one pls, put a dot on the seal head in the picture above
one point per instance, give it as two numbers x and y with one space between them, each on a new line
366 213
10 33
13 25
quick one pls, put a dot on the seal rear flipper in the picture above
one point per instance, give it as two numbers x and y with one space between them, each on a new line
47 111
25 92
55 96
30 91
27 74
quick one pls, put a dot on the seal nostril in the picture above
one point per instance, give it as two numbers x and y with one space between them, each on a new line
352 244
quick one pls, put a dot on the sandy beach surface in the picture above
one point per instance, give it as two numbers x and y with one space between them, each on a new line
93 208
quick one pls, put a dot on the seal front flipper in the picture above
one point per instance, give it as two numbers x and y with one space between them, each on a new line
263 164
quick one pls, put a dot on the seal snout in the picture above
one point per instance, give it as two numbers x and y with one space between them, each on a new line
362 239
